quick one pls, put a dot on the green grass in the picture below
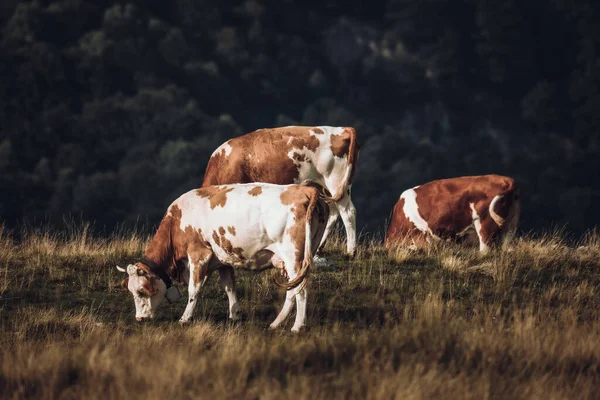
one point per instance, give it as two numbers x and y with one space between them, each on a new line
445 323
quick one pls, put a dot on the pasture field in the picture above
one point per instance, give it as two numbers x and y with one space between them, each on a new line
446 323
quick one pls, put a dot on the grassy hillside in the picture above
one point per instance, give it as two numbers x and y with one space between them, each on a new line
444 324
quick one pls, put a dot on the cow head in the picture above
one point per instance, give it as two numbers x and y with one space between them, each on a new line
148 290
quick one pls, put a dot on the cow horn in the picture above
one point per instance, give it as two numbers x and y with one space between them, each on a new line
121 269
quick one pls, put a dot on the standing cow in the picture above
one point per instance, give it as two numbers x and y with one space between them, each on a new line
253 226
487 206
293 154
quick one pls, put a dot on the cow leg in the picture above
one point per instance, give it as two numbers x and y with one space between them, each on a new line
227 281
299 322
508 236
483 247
477 223
199 273
489 234
285 310
511 226
348 213
289 296
292 265
333 216
297 294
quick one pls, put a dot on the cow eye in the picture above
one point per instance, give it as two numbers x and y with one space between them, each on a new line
141 293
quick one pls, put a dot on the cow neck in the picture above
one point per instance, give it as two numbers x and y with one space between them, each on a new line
159 252
157 270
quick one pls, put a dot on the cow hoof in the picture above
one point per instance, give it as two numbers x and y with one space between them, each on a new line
299 329
273 327
184 323
321 262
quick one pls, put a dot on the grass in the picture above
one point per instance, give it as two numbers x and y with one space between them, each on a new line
445 323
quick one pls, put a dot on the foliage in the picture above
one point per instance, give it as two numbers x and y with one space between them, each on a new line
109 110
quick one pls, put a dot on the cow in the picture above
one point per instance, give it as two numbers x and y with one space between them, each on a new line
293 154
253 226
483 209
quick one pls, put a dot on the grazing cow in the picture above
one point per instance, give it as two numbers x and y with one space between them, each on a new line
480 208
323 154
253 226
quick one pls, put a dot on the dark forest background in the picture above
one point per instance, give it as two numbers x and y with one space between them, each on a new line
109 110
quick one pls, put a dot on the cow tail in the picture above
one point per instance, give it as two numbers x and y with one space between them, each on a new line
511 193
300 279
352 158
324 193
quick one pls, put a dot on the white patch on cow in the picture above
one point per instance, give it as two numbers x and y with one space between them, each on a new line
497 218
224 147
411 211
477 223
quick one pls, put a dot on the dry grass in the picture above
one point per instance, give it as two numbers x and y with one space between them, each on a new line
445 323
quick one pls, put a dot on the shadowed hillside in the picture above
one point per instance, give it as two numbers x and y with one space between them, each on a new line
109 110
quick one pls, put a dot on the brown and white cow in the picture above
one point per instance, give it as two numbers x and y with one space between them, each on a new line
253 226
485 208
293 154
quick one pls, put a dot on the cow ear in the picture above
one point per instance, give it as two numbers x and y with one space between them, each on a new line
125 283
153 288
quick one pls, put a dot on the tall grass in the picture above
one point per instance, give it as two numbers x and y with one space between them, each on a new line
442 323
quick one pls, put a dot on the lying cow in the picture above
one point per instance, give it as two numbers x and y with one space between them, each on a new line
293 154
483 208
253 226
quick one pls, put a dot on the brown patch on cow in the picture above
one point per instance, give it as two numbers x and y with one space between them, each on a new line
216 195
221 230
200 257
255 191
231 229
340 144
175 212
299 157
294 195
226 245
261 156
318 131
300 138
446 206
125 283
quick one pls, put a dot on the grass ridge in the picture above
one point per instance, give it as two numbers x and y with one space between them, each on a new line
447 322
